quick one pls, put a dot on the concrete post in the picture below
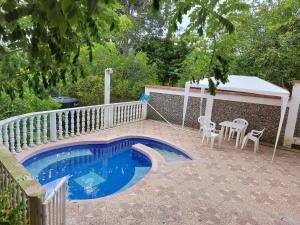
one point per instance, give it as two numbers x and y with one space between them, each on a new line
209 106
107 110
108 73
292 116
53 130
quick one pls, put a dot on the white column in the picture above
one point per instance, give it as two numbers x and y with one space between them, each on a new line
108 73
45 129
60 128
25 133
284 101
78 122
72 123
38 129
53 128
292 116
18 136
185 101
12 137
31 143
209 106
66 124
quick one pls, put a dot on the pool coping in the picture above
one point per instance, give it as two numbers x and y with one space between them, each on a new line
156 158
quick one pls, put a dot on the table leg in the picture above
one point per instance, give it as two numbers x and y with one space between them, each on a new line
237 139
226 133
221 136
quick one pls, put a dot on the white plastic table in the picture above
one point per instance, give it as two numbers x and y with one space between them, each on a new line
226 125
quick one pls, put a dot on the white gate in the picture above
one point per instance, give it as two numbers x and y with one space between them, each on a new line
54 207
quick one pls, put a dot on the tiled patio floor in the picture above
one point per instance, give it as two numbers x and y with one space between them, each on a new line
220 186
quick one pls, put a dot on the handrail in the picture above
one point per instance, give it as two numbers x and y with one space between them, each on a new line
26 189
14 118
20 132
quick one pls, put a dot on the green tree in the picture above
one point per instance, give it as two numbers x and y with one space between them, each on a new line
168 55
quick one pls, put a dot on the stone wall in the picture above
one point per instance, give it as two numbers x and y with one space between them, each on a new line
259 116
171 107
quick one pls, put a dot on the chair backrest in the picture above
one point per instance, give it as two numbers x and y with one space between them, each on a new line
258 133
241 121
209 128
203 120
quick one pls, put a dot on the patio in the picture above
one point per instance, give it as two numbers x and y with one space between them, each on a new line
220 186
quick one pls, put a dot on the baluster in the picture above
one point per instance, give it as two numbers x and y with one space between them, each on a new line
127 110
38 129
97 118
1 138
66 124
139 111
102 117
31 128
122 112
131 112
60 128
119 114
115 115
134 112
12 137
88 120
18 136
78 121
83 122
93 119
72 123
45 128
25 146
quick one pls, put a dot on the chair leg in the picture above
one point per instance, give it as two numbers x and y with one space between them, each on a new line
244 142
212 141
256 143
203 137
230 134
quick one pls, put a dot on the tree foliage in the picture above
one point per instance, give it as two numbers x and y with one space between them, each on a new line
168 54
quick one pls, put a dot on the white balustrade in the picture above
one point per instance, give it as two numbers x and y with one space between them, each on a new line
12 137
102 118
16 135
31 144
97 119
88 122
72 123
38 129
66 124
60 128
45 130
83 121
93 119
78 122
25 146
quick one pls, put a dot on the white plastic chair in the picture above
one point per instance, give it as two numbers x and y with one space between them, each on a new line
232 131
254 135
203 120
209 132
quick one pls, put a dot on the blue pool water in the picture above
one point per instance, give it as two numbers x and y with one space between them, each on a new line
97 170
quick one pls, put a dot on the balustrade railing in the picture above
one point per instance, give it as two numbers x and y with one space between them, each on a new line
21 132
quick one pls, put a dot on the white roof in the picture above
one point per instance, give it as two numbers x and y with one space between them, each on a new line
249 84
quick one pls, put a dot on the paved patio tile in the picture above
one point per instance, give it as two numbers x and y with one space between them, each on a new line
220 186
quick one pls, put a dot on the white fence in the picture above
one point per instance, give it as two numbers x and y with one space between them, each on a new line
32 129
54 207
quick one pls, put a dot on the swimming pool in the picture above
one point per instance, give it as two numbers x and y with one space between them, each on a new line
97 170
